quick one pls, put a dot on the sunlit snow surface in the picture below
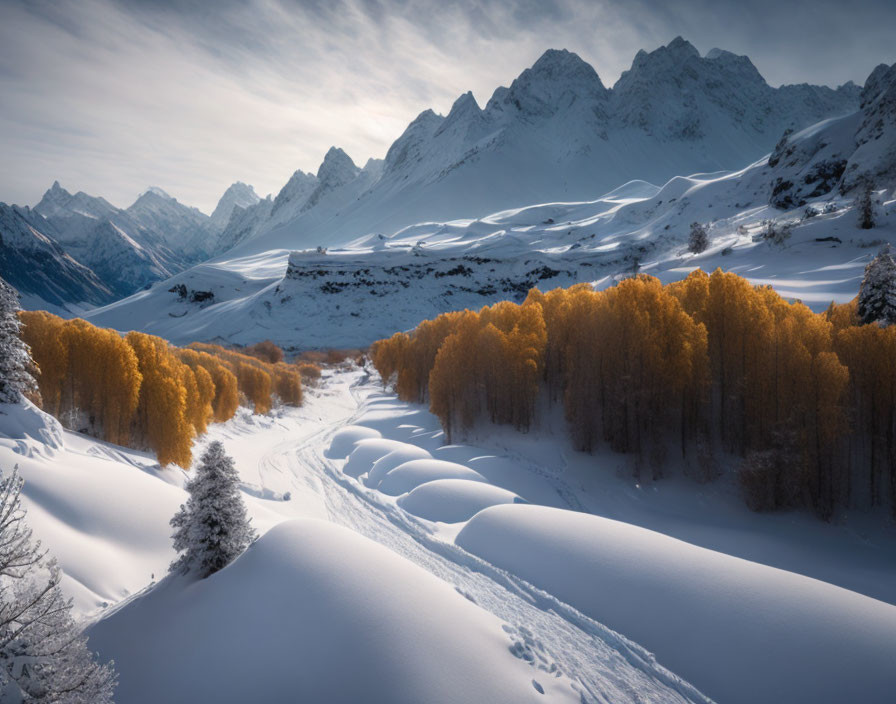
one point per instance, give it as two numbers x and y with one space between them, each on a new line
539 569
377 284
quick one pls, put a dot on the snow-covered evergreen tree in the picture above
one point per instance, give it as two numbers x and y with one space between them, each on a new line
43 655
865 204
698 240
15 357
877 295
211 528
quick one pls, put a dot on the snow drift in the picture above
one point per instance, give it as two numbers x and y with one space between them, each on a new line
454 500
314 612
416 472
345 439
740 631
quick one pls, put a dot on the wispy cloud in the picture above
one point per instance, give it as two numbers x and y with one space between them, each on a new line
113 96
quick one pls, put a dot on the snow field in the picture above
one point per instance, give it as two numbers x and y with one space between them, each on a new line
100 512
740 631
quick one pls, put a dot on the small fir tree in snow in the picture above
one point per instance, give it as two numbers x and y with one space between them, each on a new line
698 240
43 654
877 295
15 357
211 528
865 204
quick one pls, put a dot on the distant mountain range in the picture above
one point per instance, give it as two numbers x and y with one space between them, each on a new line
555 134
80 249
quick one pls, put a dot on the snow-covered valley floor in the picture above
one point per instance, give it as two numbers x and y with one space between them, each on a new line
548 557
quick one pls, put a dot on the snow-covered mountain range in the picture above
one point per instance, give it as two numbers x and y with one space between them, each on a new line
555 134
788 219
76 250
37 266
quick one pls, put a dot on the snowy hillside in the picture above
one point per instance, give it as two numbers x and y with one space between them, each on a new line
353 295
399 558
557 133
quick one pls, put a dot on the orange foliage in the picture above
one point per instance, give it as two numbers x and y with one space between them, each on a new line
266 351
138 390
704 360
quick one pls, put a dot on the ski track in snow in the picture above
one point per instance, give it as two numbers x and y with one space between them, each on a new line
552 636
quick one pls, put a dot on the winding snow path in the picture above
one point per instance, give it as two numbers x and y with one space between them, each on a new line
552 636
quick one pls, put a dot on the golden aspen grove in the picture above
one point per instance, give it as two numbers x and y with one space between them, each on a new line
704 368
140 391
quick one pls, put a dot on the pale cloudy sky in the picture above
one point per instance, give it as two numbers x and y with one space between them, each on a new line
113 96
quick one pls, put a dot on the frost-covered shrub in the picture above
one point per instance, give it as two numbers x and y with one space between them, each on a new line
877 295
775 232
43 655
865 204
698 240
15 357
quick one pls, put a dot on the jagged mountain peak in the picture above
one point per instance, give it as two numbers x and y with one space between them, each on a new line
465 103
336 166
562 61
557 80
237 195
54 198
877 82
681 47
671 58
156 191
336 170
297 189
407 147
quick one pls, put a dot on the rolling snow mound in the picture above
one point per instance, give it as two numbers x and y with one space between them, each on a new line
346 439
740 631
315 612
454 500
410 475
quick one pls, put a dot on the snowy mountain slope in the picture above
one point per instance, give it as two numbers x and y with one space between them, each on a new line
875 154
556 133
354 295
839 153
244 221
185 230
35 264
